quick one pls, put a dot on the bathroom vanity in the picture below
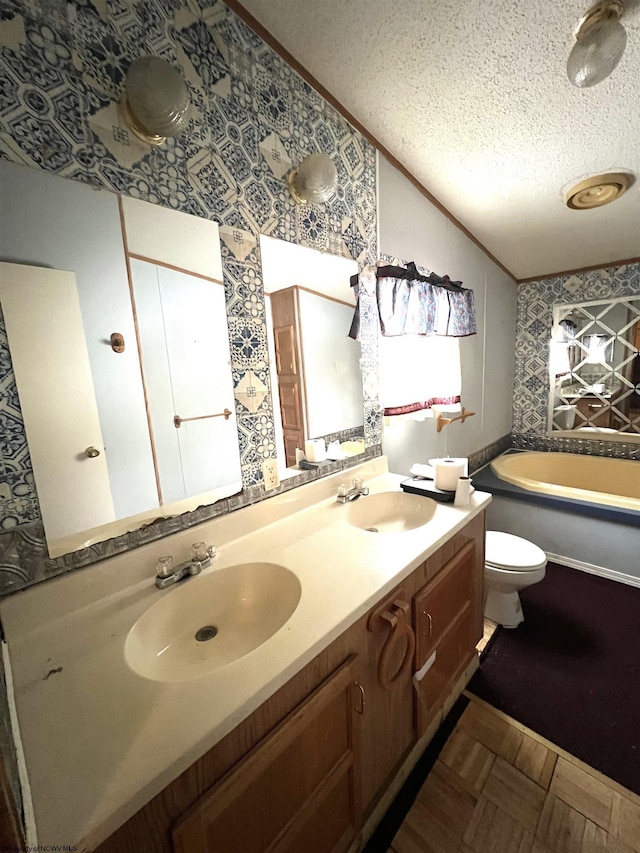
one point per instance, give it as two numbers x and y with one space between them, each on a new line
299 744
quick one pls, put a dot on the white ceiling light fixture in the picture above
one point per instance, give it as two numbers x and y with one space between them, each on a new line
157 102
600 43
314 181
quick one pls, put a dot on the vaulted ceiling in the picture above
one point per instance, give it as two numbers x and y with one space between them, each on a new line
472 98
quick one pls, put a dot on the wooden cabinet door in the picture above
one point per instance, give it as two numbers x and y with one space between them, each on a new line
296 791
388 729
445 630
289 390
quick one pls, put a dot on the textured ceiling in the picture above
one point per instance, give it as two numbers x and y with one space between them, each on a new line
471 96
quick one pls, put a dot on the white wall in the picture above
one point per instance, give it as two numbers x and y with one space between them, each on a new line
411 228
331 365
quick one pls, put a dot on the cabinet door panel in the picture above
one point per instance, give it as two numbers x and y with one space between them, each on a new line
452 654
273 795
327 824
290 407
388 722
442 600
286 350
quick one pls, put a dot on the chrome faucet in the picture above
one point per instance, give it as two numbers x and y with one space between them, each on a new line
202 555
357 490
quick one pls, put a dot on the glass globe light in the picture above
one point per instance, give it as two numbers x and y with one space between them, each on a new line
314 182
600 42
157 100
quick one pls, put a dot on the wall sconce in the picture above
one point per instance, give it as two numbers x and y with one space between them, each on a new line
314 181
156 101
600 43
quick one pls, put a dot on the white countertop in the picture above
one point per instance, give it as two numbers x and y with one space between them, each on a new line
99 740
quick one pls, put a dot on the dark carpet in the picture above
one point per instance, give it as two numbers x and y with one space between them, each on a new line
571 670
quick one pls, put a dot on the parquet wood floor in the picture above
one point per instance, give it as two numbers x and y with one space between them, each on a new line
498 787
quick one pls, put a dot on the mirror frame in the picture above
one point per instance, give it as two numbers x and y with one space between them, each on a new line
560 312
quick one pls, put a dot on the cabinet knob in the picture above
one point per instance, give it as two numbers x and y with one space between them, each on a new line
92 452
117 342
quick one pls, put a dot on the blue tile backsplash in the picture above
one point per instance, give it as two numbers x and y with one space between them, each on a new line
253 119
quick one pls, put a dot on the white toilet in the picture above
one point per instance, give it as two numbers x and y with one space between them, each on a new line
565 416
511 563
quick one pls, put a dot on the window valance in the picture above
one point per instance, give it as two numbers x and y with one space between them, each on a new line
414 301
421 317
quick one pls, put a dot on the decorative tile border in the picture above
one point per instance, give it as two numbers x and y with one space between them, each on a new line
612 449
481 457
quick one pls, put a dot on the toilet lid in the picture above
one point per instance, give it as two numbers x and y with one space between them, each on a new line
506 551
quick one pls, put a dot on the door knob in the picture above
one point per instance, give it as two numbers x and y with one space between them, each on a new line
92 452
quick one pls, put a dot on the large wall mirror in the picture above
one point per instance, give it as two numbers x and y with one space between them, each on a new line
595 369
315 366
115 315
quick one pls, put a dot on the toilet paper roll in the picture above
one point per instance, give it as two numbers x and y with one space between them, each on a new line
448 472
315 450
463 459
463 492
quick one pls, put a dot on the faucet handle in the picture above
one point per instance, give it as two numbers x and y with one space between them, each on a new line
358 482
343 490
164 567
200 552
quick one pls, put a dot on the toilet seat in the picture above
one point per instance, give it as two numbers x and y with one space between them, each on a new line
512 553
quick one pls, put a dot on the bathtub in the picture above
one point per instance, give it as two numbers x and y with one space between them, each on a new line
583 511
594 479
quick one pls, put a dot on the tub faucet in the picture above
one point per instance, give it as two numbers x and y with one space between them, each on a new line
202 555
357 490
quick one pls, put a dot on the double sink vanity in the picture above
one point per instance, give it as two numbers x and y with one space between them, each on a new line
275 701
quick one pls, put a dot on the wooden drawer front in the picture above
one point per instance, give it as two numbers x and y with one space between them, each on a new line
597 412
452 655
442 600
278 791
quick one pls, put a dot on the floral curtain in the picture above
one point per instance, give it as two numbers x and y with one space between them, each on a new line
413 301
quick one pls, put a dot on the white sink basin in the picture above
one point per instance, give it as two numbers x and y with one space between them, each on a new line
232 610
390 512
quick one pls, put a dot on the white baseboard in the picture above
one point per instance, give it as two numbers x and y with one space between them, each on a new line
631 580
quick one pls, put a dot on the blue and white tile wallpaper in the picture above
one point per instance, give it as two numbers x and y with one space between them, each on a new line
534 322
62 69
